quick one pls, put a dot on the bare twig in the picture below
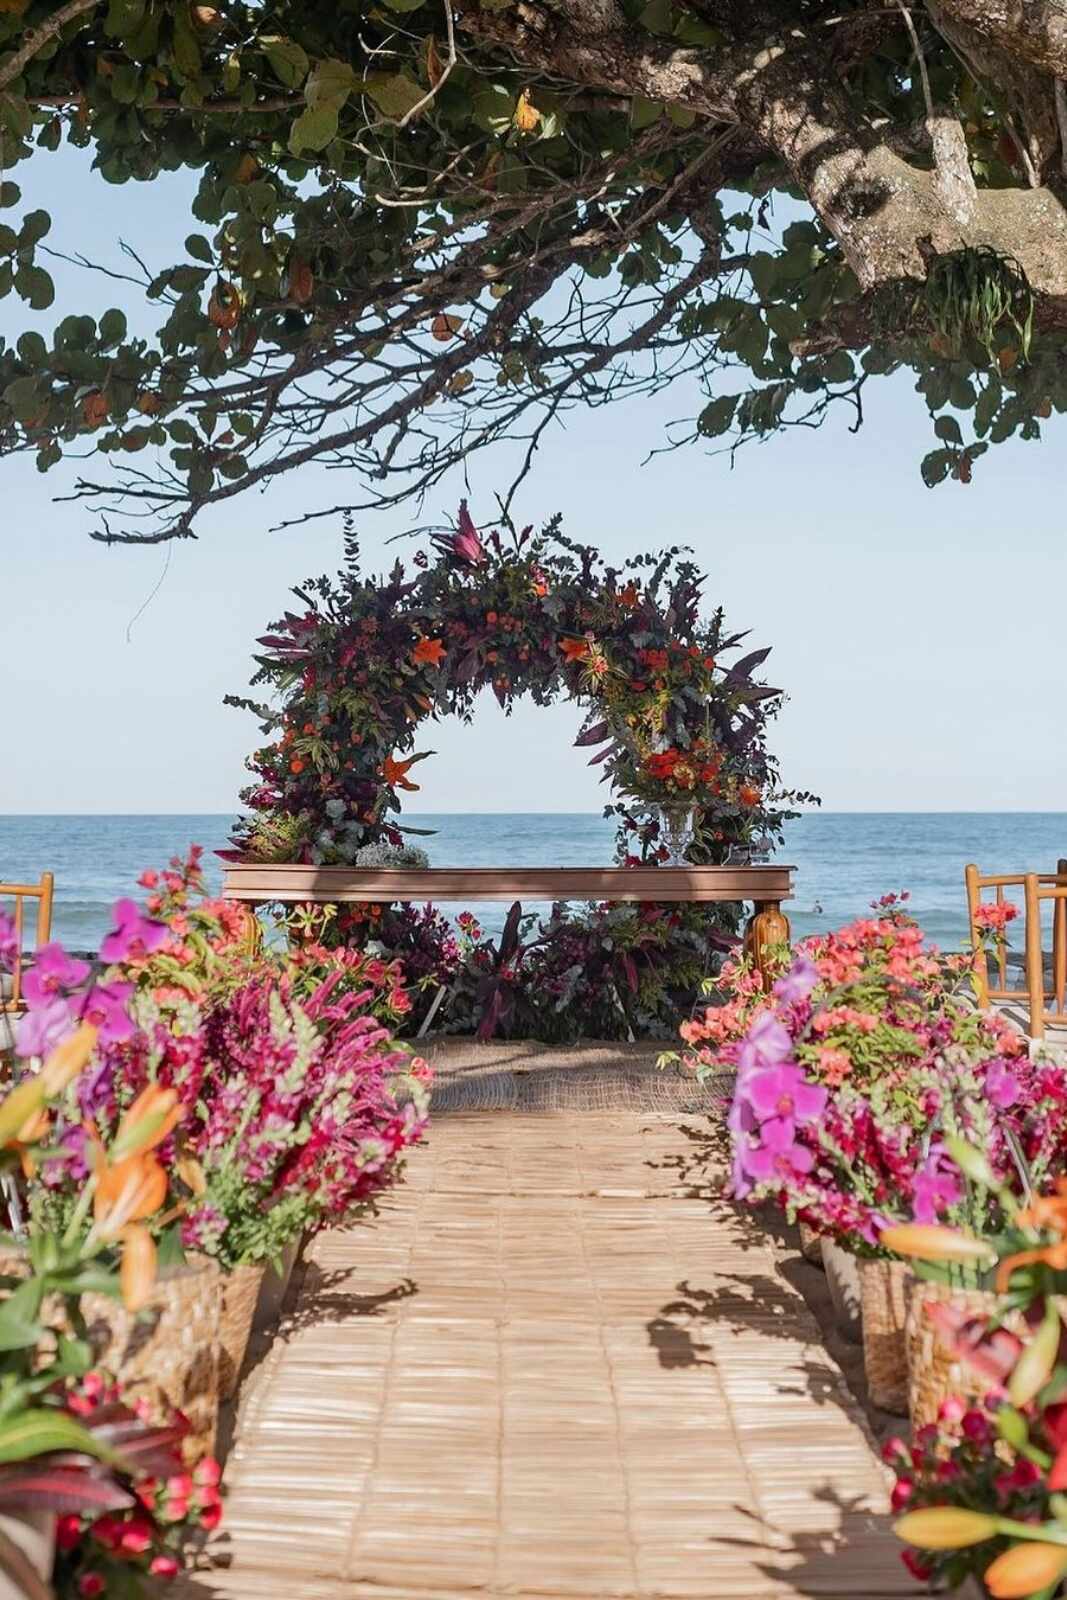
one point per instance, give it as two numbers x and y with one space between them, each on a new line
37 38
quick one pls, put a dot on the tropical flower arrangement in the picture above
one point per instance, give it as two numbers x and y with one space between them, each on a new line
857 1070
671 710
277 1114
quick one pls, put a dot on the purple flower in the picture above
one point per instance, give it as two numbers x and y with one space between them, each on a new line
9 943
766 1044
105 1007
52 972
798 982
1001 1085
132 935
781 1097
779 1162
41 1029
934 1190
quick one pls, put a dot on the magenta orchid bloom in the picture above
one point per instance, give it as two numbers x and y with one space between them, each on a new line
133 934
798 982
1002 1086
53 973
105 1007
935 1189
782 1159
467 544
766 1044
43 1028
9 943
782 1094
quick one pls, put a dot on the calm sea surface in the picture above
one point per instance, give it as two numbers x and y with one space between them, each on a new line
843 860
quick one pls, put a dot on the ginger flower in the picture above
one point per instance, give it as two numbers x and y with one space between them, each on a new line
574 649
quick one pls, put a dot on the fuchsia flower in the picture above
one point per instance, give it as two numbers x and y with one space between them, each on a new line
936 1188
42 1028
105 1007
798 982
133 936
9 943
52 973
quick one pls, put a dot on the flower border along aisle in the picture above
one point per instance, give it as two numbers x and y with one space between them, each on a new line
192 1107
856 1072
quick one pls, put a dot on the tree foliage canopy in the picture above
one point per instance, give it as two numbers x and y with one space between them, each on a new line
422 226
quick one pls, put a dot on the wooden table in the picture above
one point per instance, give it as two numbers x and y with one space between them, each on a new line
766 887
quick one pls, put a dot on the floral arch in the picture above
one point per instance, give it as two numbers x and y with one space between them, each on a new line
671 709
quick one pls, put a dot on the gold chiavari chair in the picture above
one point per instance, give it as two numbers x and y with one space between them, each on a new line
1046 1002
16 899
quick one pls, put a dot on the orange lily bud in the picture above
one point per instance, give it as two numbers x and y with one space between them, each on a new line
930 1242
1025 1569
152 1116
68 1059
137 1274
61 1068
1051 1255
945 1527
126 1193
1034 1367
191 1173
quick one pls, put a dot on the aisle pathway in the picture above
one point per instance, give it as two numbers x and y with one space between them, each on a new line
552 1367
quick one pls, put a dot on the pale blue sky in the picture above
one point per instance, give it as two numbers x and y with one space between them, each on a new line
919 634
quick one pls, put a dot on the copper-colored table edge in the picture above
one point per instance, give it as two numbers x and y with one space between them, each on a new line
285 881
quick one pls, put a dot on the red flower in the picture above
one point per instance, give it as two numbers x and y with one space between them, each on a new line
429 652
164 1567
574 649
68 1532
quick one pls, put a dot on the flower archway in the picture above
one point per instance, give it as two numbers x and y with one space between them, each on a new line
671 708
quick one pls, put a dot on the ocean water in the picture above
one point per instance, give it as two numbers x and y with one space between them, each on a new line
843 859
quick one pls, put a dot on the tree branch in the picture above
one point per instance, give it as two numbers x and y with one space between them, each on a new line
36 38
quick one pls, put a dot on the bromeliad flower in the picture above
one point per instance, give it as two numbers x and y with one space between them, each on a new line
133 936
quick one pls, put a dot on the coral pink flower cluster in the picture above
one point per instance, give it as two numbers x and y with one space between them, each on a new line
854 1069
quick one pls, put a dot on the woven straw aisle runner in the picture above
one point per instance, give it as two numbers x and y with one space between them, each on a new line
555 1366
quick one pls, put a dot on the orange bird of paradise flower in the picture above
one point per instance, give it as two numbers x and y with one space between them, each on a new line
429 652
395 773
574 649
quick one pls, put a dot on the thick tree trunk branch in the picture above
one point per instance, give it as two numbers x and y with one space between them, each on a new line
1033 30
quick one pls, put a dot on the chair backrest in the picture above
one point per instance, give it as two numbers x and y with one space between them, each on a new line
1047 1004
35 899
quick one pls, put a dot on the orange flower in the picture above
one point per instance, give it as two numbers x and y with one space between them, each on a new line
296 765
137 1273
429 652
395 773
929 1241
127 1192
749 795
1047 1211
574 649
60 1069
1026 1569
1051 1255
628 595
153 1115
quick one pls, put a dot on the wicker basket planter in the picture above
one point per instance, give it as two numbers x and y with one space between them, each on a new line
171 1347
883 1296
240 1292
810 1244
843 1282
273 1289
934 1373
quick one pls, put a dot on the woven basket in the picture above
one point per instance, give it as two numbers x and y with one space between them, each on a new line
810 1244
240 1292
885 1352
169 1348
934 1373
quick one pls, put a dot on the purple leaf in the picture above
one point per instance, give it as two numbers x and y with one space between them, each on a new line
64 1490
592 735
742 668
